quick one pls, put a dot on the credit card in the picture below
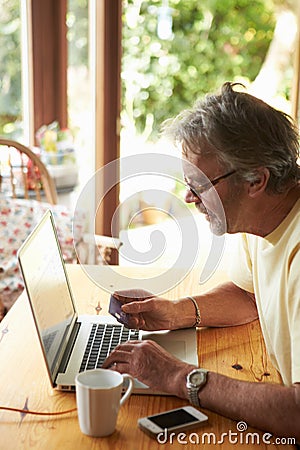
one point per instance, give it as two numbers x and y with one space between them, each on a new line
116 311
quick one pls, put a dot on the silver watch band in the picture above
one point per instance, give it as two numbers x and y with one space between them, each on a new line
194 397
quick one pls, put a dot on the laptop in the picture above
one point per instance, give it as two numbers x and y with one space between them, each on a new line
71 343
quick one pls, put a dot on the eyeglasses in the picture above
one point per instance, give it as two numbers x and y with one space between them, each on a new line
200 189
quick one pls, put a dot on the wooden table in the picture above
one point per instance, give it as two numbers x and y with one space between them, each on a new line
238 352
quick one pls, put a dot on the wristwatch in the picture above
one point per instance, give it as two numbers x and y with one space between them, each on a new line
195 381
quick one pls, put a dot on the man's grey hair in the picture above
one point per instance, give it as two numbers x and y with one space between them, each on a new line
244 133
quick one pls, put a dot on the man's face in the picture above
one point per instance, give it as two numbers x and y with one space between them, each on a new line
219 203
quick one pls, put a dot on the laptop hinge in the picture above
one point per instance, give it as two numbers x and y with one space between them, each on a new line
69 348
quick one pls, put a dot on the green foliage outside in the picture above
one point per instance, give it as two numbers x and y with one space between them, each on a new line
77 34
213 41
10 66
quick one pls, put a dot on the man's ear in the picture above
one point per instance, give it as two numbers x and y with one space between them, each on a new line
259 184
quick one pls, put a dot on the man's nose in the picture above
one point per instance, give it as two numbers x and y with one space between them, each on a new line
190 197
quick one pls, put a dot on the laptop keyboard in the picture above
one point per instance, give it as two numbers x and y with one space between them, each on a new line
48 340
103 339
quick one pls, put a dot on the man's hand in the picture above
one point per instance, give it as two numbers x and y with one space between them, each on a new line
148 312
152 365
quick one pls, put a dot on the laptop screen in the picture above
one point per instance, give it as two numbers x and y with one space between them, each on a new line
47 288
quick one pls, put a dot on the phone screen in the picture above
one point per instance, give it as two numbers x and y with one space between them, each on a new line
173 418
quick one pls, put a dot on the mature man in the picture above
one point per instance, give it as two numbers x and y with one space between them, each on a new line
249 152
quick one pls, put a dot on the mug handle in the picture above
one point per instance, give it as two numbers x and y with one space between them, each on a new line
128 390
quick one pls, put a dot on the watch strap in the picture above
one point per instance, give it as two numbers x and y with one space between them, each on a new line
194 397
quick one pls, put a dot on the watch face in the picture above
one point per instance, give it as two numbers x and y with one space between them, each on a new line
197 378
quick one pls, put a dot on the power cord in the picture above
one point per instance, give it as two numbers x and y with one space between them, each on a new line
37 413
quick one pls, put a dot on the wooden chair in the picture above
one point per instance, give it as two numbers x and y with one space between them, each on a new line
24 175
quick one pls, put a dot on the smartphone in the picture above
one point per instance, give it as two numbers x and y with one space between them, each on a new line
116 311
172 421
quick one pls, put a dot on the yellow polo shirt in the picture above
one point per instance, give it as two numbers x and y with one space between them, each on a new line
269 267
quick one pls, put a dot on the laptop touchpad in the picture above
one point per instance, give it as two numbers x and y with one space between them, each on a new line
172 341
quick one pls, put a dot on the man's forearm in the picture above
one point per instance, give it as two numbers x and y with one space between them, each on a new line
226 305
269 407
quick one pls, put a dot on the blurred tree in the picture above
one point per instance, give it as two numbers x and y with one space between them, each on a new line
10 65
77 23
213 41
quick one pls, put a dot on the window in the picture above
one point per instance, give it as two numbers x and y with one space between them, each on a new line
14 71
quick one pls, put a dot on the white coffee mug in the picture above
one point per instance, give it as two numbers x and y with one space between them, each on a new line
98 397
